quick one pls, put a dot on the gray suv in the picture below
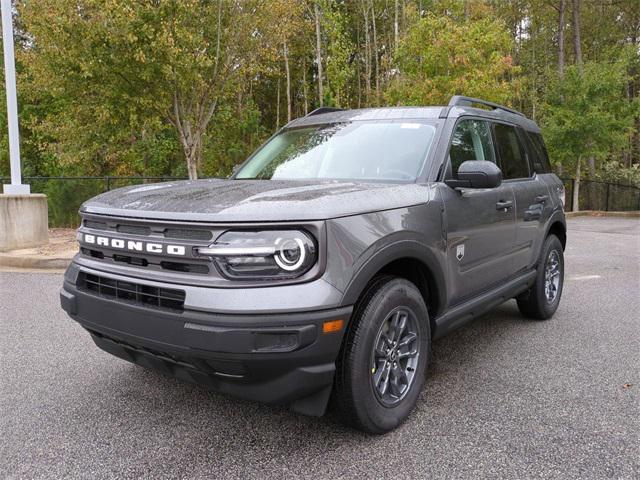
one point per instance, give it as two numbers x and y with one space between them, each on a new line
330 260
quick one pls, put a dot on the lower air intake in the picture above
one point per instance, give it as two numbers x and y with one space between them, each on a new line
130 292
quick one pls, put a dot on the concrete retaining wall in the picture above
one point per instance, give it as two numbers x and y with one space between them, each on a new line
23 221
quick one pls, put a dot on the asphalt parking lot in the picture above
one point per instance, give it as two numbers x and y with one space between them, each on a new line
505 397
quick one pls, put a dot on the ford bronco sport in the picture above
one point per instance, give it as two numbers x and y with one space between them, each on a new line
329 261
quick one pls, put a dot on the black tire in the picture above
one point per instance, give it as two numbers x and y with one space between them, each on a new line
359 364
535 303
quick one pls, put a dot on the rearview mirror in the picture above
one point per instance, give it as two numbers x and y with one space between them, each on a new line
477 174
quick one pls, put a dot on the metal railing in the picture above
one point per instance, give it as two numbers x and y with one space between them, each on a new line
602 196
66 194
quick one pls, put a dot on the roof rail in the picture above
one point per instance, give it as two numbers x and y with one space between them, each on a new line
460 100
320 110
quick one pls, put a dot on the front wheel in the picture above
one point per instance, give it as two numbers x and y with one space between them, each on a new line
542 300
383 362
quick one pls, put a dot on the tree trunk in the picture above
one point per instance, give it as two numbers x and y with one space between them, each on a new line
367 56
190 137
278 106
577 46
561 10
319 53
192 167
375 51
396 27
304 86
286 69
593 193
576 189
358 69
467 12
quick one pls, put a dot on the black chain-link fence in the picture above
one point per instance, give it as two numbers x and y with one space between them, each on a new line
66 194
602 196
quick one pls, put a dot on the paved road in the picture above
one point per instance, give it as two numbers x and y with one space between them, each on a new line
505 398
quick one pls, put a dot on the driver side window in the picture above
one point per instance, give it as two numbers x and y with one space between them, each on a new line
471 140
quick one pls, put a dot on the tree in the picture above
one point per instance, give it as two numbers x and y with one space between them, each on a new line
587 116
136 65
440 57
561 12
339 69
317 16
109 87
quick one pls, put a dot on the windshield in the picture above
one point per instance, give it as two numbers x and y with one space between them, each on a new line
378 151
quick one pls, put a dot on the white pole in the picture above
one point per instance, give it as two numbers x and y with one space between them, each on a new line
16 187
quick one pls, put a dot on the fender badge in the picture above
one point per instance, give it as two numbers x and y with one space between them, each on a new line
460 252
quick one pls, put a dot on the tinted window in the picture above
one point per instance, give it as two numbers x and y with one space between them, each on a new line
385 151
540 157
513 161
471 140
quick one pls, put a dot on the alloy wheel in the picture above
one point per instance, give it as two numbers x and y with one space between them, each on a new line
552 276
395 356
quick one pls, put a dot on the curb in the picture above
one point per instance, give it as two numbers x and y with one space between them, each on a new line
599 213
34 262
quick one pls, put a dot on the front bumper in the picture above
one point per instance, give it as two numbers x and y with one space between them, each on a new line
282 358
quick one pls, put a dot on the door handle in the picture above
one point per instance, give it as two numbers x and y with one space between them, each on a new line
504 205
541 198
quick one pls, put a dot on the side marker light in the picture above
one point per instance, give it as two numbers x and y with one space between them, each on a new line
332 326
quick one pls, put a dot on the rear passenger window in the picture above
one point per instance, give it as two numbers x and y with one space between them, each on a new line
540 157
471 140
511 154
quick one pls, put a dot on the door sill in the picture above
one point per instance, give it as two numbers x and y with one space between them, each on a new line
463 312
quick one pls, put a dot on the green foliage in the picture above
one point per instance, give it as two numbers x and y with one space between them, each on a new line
64 198
586 114
117 74
234 136
339 47
171 87
439 58
616 172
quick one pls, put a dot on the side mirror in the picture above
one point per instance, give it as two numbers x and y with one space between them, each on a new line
477 174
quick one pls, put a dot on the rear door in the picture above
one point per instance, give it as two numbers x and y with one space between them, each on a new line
479 223
532 200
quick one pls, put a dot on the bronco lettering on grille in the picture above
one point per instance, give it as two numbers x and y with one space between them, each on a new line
135 245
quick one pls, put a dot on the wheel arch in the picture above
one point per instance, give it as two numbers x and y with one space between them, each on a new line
406 259
558 227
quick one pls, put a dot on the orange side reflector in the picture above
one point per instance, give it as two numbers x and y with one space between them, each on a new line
332 326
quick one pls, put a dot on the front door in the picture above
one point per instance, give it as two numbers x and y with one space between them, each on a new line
479 223
532 201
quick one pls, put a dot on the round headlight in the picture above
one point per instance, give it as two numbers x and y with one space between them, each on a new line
291 253
262 255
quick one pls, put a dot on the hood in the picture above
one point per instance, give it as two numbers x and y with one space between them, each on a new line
216 200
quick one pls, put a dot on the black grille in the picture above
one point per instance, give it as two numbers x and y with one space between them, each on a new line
145 231
130 292
185 267
96 225
92 253
198 268
187 234
133 230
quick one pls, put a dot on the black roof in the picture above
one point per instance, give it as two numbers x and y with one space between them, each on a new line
458 106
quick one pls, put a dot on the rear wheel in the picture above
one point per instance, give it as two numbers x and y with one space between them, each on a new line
382 364
542 300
